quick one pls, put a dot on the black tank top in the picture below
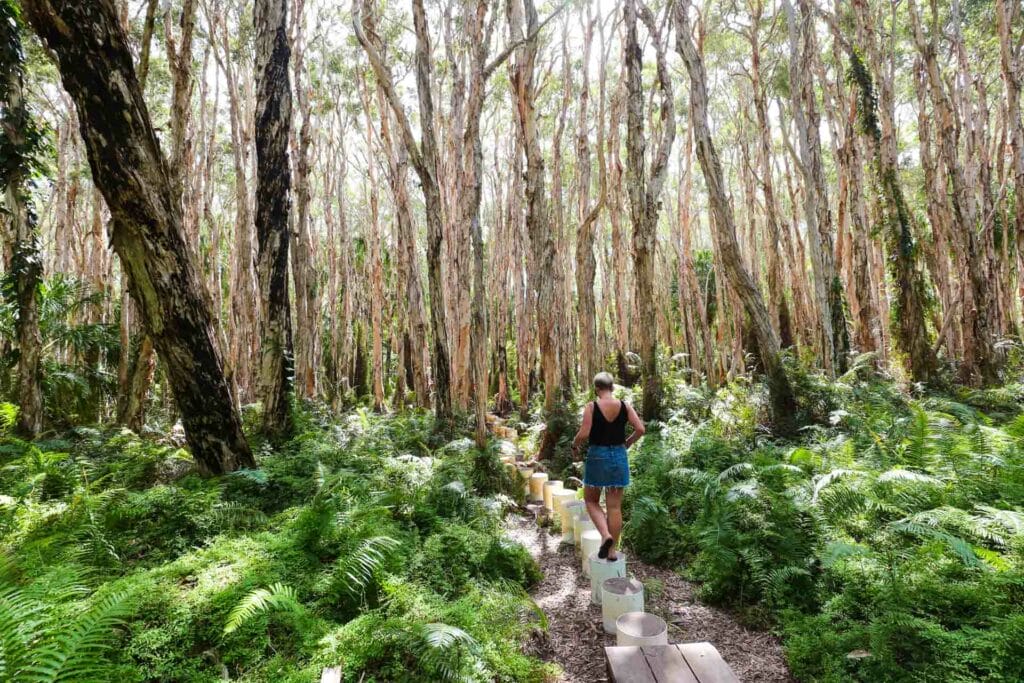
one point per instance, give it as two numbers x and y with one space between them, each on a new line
605 433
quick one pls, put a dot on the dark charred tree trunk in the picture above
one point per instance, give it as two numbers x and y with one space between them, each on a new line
273 180
19 143
783 402
129 169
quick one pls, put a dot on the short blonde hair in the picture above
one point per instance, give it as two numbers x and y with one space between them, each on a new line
604 381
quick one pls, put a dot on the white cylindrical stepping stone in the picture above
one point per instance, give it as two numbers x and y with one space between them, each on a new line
618 596
537 481
604 569
559 498
580 525
590 541
525 473
640 628
549 489
569 517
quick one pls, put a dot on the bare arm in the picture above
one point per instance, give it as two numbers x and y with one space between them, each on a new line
584 433
638 426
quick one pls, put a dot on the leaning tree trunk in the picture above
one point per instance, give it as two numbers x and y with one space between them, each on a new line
128 167
783 402
645 190
273 180
20 141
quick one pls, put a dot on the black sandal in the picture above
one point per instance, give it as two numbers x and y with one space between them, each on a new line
602 552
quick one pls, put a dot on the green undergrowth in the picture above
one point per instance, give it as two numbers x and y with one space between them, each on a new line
886 542
362 543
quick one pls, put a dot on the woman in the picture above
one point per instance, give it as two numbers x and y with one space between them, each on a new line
607 466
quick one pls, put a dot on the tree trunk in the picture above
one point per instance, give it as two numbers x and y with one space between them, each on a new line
979 362
423 157
538 219
586 263
1007 16
644 194
783 402
776 290
128 167
21 140
273 180
877 113
835 341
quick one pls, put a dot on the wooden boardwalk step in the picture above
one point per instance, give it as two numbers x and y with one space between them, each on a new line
681 663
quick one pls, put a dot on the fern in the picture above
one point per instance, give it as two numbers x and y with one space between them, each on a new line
277 597
39 644
355 571
449 651
77 652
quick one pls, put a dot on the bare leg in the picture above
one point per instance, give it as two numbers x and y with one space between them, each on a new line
613 499
592 496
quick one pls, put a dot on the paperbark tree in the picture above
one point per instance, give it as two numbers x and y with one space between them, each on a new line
273 181
301 248
538 218
777 305
645 187
876 112
783 402
128 167
588 213
1011 61
835 341
424 158
132 408
20 140
978 363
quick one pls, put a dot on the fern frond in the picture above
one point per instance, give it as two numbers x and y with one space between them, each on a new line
78 652
277 597
824 480
355 571
899 474
960 547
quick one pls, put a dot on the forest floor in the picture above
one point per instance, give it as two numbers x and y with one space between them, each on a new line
575 638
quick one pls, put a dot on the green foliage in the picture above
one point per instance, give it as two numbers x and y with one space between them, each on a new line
263 575
74 382
885 544
276 597
49 632
456 556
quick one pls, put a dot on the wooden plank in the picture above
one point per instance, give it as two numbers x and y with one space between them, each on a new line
331 674
628 665
706 663
668 664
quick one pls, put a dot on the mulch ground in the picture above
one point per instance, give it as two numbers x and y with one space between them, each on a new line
575 638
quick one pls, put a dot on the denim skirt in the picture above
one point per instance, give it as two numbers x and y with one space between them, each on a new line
606 466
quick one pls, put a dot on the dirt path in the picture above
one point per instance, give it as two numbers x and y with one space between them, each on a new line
575 638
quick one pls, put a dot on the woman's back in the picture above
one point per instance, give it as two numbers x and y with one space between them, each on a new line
605 431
